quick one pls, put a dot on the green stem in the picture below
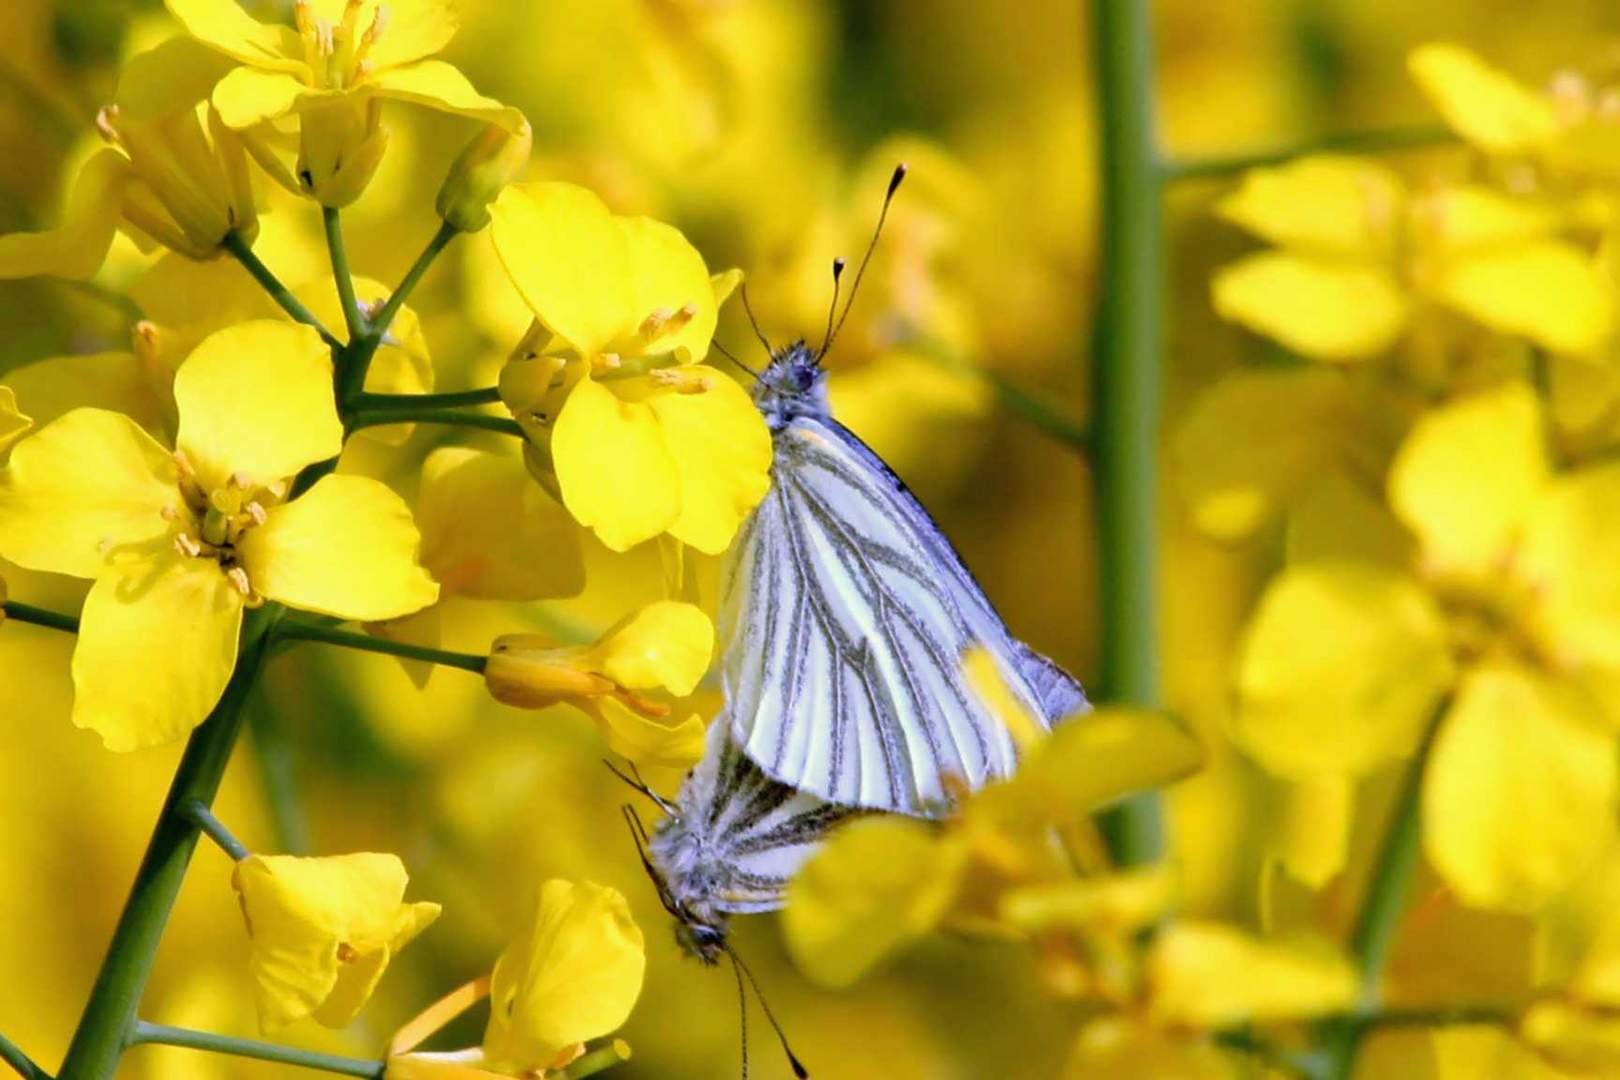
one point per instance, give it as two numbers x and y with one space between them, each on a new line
1381 912
278 292
352 319
28 613
503 424
201 816
352 374
1040 413
276 761
109 1015
1127 390
1344 142
162 1034
599 1060
13 1056
294 630
488 395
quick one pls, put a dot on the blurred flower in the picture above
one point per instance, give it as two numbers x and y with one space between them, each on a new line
1506 634
495 158
332 73
14 424
665 646
324 930
573 977
641 441
178 544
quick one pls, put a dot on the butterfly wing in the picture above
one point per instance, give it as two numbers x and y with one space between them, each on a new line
845 614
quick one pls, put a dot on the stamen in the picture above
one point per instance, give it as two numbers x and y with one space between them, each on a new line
346 953
654 323
144 339
238 577
105 117
256 512
606 362
240 481
186 546
277 488
170 513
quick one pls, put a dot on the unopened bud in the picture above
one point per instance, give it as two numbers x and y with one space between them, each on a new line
494 158
531 672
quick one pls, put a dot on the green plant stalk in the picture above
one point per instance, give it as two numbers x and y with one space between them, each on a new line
19 1061
454 399
295 630
162 1034
357 361
109 1014
451 417
352 319
1126 395
201 816
1347 142
278 292
35 616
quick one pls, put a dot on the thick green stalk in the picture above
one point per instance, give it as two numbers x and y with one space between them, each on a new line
353 320
1127 389
109 1015
145 1033
295 630
505 425
278 292
35 616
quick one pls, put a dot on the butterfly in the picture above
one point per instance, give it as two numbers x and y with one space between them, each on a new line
845 613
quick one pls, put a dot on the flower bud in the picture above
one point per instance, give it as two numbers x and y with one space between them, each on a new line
529 671
341 144
494 158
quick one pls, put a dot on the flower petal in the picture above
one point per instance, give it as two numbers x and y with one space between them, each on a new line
614 468
1341 668
304 555
1550 292
14 424
85 489
256 399
223 25
413 28
875 885
566 254
1206 975
1319 309
78 246
157 644
666 644
1338 518
248 96
1519 795
115 381
1312 838
668 274
1112 1047
1568 558
1480 103
438 85
1325 205
159 82
1466 476
722 454
651 744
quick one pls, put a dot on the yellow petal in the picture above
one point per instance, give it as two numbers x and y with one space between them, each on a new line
249 96
1116 904
1548 291
666 644
483 519
223 25
1208 975
1466 476
157 643
304 554
413 28
87 488
667 274
1319 309
115 381
159 82
1582 1040
1113 1048
1462 216
722 454
876 885
1480 103
1474 1051
1519 795
614 468
14 424
1255 440
1340 669
569 258
256 399
1325 205
1312 838
78 246
438 85
574 976
990 685
651 744
1568 558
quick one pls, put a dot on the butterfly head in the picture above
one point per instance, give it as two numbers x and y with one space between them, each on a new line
793 384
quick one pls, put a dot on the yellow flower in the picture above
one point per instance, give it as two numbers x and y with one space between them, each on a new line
179 543
574 976
640 441
333 72
1506 627
323 931
666 646
495 158
175 173
1355 250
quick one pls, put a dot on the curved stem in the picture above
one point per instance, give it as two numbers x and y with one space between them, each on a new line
25 1068
35 616
163 1034
293 630
199 815
278 292
109 1015
1127 390
487 395
1344 142
504 425
352 319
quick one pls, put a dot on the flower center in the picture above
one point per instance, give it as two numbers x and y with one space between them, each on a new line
337 52
213 522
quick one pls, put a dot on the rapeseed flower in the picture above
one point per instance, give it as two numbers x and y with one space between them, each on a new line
179 543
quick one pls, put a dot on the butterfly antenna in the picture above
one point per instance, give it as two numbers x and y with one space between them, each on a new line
742 1010
855 286
640 786
752 321
832 309
744 368
742 969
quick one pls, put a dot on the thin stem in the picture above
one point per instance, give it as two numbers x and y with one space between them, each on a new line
602 1058
278 292
13 1056
110 1012
503 424
1127 390
163 1034
352 374
1346 142
202 817
34 616
487 395
352 318
295 630
1040 413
